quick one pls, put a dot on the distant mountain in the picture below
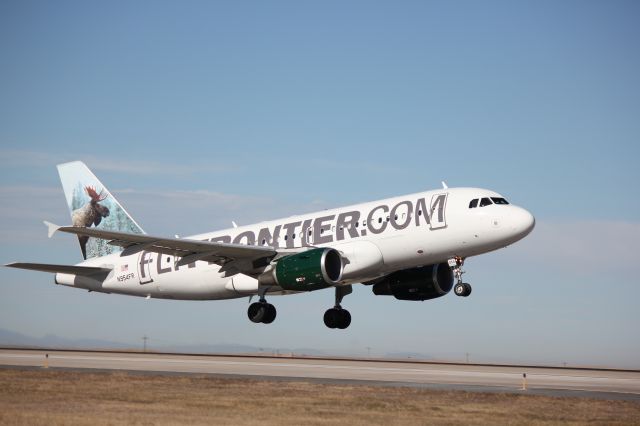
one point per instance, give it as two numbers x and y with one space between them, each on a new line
11 338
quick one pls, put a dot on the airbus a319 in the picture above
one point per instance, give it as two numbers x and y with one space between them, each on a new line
411 247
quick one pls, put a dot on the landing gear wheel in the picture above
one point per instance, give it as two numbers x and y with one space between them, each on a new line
462 289
330 318
256 312
467 289
345 319
261 312
270 314
337 318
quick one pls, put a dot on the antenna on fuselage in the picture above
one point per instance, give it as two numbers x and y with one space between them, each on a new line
444 185
235 225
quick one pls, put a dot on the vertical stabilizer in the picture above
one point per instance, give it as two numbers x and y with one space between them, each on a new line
92 205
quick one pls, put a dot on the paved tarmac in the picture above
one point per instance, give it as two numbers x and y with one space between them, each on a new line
596 383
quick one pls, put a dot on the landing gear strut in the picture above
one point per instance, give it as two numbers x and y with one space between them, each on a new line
337 317
262 311
460 289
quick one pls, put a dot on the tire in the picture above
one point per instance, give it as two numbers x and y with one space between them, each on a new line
345 319
270 314
331 318
256 312
460 289
467 289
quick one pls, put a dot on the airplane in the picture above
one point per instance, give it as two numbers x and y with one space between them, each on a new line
412 247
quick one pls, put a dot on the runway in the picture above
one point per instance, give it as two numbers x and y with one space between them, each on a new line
598 383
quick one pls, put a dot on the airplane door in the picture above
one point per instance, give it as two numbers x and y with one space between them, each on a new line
144 267
308 233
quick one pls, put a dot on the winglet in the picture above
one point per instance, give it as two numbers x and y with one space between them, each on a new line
52 228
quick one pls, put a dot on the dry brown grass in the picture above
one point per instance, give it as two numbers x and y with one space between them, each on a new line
55 397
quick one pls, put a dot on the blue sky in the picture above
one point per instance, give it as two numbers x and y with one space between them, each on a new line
198 113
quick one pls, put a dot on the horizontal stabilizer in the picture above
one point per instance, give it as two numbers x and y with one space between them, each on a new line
64 269
51 228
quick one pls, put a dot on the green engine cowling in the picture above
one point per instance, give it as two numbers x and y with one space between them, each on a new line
307 271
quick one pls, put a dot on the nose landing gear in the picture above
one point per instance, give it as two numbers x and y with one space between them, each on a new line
460 289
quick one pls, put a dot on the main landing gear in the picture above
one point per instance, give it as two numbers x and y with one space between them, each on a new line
262 311
337 317
460 289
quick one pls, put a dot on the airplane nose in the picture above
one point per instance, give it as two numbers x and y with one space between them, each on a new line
522 222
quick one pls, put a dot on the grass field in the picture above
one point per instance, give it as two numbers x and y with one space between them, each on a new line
55 397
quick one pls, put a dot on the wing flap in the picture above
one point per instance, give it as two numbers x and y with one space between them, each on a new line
64 269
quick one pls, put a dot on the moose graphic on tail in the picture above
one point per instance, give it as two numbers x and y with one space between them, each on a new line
90 214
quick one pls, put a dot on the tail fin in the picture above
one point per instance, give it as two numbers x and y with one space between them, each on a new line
91 204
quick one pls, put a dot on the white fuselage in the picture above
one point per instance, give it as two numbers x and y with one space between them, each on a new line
377 238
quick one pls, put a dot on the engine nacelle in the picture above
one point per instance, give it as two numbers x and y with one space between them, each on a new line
424 283
310 270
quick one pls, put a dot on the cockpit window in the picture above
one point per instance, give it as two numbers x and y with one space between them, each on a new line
487 201
498 200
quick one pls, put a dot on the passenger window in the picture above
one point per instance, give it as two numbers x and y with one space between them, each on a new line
485 202
473 204
498 200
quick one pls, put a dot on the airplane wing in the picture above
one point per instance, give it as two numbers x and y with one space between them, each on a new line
233 258
64 269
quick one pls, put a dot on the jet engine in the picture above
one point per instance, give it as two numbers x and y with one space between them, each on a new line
310 270
423 283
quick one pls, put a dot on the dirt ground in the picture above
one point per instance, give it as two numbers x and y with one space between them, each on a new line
55 397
